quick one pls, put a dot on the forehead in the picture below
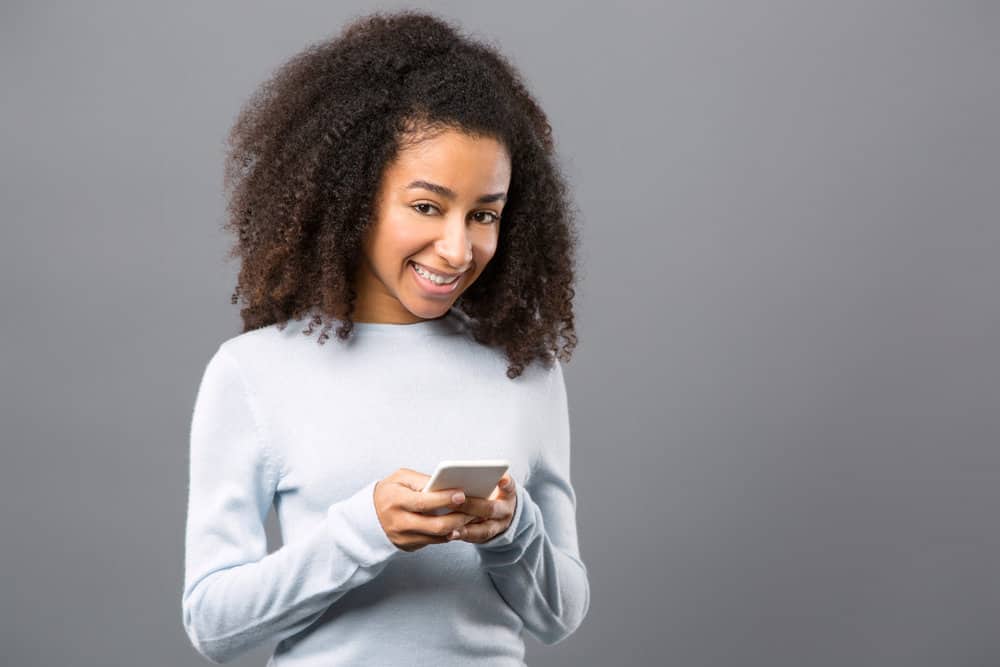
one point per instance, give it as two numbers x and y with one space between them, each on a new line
456 159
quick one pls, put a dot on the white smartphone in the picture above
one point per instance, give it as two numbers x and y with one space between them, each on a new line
477 478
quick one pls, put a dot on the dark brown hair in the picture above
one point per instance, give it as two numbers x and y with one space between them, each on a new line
308 151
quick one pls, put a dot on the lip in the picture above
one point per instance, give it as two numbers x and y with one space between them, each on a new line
430 288
433 270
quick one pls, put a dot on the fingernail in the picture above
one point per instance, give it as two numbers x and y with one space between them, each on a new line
458 498
454 535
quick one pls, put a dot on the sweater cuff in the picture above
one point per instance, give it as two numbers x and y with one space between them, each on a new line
357 531
517 524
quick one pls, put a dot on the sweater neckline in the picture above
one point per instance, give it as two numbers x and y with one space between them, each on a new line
451 322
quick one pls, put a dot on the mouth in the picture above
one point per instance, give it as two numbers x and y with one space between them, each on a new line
435 271
429 286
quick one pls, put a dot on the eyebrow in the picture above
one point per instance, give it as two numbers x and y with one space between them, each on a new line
448 193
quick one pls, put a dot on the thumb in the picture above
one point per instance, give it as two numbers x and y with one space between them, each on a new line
411 479
506 484
419 500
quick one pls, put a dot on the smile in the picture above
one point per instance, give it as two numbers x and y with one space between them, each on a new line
429 285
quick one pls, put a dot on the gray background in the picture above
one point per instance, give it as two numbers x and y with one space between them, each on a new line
785 403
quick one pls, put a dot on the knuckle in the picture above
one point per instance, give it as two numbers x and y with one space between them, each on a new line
444 525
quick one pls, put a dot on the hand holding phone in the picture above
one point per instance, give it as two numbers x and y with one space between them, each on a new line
477 478
415 509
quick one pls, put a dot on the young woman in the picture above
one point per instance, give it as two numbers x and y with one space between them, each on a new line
398 182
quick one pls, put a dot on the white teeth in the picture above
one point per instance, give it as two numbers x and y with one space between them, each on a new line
433 277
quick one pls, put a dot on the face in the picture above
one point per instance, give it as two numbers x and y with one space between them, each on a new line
438 206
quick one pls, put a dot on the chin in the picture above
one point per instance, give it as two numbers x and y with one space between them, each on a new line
429 310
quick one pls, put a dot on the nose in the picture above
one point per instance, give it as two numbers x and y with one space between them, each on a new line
455 244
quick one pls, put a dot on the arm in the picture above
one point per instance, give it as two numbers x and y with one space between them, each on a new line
535 564
236 595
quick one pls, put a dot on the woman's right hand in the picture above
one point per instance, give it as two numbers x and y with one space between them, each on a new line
400 504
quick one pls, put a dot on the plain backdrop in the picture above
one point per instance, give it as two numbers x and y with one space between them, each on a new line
785 402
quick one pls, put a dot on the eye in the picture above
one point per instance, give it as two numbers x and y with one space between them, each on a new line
423 211
417 207
494 218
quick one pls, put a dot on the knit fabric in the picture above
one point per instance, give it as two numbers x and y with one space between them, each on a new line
279 419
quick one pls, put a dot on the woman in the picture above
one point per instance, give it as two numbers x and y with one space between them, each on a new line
397 182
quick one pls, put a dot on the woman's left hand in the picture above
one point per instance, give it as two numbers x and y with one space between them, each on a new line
495 513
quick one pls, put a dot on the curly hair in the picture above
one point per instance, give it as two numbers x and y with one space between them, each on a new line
307 153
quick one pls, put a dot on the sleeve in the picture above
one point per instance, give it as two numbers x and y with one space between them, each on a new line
236 595
535 564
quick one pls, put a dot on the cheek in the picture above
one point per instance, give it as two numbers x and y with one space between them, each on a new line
487 255
486 246
397 239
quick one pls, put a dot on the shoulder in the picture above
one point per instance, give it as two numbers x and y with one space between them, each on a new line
491 361
264 356
250 344
266 342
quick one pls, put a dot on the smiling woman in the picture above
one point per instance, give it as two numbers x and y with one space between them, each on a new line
402 131
433 233
398 182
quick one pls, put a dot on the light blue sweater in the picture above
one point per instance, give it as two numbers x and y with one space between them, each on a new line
311 428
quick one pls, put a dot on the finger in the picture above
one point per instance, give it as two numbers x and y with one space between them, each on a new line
411 479
445 526
507 484
417 500
483 508
426 501
505 488
435 526
417 481
481 532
